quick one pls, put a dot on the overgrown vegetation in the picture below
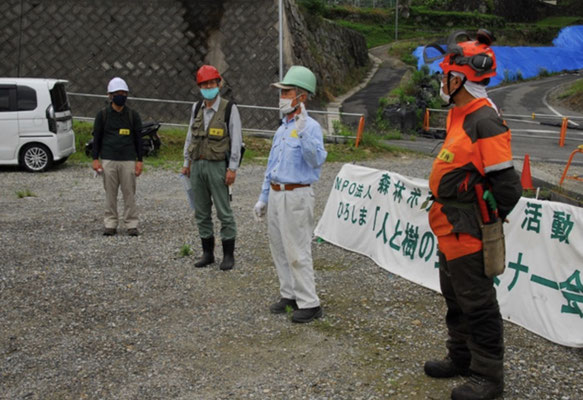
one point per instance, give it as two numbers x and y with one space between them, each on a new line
434 19
431 21
418 90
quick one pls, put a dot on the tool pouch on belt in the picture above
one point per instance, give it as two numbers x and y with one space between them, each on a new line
494 248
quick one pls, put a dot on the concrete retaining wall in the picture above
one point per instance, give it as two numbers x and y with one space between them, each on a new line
157 45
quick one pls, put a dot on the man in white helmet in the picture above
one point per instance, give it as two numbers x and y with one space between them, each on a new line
294 163
118 143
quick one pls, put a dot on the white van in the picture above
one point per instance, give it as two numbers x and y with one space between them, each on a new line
36 124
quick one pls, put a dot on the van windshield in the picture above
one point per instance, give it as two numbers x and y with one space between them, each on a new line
59 98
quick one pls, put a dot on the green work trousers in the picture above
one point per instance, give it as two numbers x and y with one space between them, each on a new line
208 184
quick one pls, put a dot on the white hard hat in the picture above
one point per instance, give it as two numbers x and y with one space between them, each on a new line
117 84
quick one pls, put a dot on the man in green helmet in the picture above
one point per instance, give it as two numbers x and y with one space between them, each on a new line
294 163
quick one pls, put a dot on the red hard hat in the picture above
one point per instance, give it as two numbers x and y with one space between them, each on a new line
207 73
474 59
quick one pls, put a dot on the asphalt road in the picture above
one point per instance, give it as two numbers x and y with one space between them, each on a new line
538 138
386 78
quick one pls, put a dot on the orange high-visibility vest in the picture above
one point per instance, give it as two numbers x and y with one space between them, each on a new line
477 142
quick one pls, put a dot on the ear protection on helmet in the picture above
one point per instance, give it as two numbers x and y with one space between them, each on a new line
475 59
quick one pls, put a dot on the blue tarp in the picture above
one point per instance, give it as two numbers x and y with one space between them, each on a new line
565 54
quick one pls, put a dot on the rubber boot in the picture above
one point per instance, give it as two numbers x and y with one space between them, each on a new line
208 255
446 368
228 256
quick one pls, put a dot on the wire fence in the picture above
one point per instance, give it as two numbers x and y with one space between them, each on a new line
363 3
257 120
435 121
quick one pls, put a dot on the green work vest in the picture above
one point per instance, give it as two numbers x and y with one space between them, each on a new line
213 143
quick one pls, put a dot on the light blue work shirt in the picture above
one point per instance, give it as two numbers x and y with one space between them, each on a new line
295 157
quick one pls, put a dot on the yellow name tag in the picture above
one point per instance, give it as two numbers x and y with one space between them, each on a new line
216 132
124 132
445 155
294 133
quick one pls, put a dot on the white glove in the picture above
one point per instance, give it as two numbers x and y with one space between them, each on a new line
260 210
301 118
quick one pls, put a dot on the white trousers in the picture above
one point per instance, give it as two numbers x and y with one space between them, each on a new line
290 223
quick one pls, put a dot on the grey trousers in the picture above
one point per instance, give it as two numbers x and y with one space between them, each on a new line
290 223
116 175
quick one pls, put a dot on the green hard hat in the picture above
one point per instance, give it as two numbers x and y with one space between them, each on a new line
298 76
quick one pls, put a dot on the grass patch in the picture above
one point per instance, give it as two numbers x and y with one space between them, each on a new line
327 265
257 149
25 193
559 21
326 327
576 89
375 35
371 146
185 250
572 96
169 155
403 50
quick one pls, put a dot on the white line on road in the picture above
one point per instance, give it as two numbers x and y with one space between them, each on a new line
552 109
571 134
534 130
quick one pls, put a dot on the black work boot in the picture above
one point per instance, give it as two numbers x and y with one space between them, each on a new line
208 255
228 256
303 315
478 387
281 306
445 368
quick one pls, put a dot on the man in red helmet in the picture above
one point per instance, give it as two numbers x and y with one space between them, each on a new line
476 153
212 152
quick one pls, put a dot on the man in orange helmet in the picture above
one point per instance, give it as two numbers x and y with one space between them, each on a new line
476 153
212 153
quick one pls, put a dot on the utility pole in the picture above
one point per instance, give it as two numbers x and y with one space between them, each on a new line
280 40
19 40
396 19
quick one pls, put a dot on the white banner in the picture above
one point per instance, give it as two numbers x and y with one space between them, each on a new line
383 215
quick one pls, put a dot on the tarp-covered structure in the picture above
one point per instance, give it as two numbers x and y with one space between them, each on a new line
527 62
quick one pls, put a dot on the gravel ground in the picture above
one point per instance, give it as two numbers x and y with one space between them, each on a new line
89 317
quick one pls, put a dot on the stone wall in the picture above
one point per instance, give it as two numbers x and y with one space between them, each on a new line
157 45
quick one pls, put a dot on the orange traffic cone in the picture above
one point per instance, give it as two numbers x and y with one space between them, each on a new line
526 179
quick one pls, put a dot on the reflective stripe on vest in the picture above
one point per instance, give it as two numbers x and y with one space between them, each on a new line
476 141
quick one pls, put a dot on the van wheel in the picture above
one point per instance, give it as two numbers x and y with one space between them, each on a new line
36 158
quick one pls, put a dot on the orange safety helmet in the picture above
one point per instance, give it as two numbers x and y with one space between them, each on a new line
474 59
207 73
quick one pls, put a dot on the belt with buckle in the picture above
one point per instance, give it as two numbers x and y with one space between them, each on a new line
287 186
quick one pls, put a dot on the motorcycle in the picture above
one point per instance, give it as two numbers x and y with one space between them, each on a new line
151 142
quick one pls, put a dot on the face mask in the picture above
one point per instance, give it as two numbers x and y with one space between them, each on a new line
209 94
285 105
444 97
119 100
